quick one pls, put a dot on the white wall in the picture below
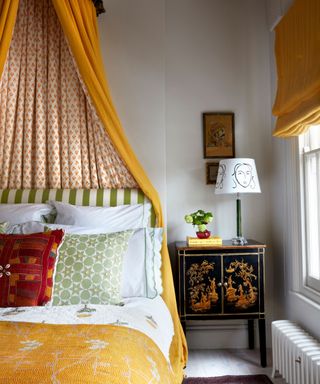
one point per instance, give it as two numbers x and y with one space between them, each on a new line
170 60
132 37
216 60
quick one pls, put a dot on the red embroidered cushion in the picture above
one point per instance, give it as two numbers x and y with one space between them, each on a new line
26 268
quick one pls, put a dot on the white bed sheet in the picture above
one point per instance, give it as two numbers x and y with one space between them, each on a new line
150 316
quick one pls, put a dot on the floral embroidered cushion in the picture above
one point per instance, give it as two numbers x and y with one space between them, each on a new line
89 269
26 268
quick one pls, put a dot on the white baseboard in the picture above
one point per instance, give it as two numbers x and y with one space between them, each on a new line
218 334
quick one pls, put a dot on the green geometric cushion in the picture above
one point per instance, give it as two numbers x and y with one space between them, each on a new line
3 227
89 269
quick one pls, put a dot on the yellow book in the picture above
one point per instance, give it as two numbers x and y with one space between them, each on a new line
210 241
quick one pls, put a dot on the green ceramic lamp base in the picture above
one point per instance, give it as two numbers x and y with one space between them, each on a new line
239 240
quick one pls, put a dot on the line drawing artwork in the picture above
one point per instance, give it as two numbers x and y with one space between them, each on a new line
243 176
221 175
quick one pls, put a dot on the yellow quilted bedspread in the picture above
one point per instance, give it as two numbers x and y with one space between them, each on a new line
69 354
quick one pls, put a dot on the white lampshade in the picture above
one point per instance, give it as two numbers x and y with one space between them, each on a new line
237 175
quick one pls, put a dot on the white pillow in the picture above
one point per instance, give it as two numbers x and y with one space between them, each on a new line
20 213
141 272
35 226
111 219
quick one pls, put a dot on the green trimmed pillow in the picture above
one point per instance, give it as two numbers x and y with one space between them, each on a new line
89 269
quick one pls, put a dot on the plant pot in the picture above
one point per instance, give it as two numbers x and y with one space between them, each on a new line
203 235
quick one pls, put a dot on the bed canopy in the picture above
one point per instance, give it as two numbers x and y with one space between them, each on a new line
58 125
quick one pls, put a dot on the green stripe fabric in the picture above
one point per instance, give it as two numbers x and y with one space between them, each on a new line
59 195
100 197
18 196
140 197
127 196
45 195
31 197
4 196
95 197
86 197
113 198
153 219
72 196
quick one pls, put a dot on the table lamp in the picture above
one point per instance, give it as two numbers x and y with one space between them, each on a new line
238 175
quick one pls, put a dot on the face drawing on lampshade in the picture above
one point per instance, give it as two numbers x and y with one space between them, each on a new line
221 175
243 175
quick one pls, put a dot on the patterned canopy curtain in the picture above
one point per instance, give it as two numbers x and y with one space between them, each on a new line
111 160
50 134
297 47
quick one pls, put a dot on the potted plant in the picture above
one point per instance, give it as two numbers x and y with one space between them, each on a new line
200 219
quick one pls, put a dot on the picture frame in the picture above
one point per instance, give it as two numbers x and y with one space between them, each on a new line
212 172
218 135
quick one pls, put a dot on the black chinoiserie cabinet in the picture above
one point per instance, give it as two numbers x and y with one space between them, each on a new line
223 282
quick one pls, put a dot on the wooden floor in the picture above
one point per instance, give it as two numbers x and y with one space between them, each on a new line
220 362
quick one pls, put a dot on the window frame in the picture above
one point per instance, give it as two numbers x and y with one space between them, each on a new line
308 286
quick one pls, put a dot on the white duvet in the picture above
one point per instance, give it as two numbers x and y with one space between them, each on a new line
150 316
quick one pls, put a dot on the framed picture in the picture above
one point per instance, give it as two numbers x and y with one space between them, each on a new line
218 135
212 172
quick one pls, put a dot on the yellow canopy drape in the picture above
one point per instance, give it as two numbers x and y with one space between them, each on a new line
78 20
297 50
8 14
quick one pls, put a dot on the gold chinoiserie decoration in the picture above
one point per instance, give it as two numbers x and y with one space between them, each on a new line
202 295
246 294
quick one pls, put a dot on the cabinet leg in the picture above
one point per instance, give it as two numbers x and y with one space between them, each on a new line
251 333
262 338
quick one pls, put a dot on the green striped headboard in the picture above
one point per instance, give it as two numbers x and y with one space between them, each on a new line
85 197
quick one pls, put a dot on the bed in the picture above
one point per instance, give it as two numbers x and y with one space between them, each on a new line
87 342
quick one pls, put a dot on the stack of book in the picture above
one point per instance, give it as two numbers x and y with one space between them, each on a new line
209 242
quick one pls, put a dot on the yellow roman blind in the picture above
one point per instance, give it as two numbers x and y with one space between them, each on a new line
297 51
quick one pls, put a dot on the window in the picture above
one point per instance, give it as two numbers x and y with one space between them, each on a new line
309 144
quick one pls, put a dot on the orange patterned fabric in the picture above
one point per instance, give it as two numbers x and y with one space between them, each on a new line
74 354
50 134
26 268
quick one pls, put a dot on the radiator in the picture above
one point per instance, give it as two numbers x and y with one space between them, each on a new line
295 354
